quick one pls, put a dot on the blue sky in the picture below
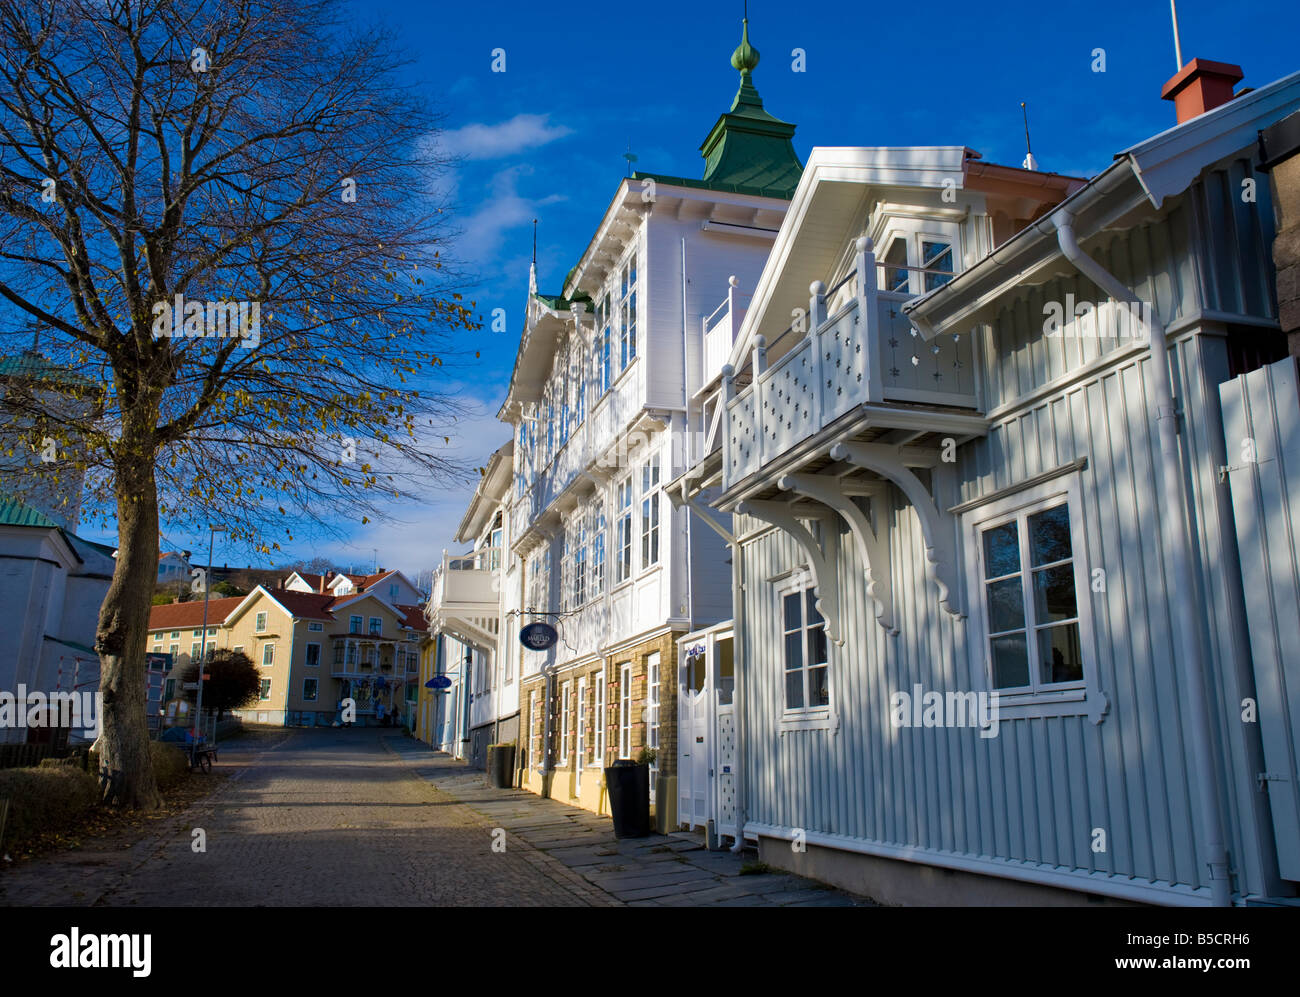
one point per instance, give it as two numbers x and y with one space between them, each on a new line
545 139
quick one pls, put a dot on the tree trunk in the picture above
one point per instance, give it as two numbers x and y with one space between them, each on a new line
123 630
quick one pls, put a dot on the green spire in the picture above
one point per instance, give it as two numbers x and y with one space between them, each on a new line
745 58
749 147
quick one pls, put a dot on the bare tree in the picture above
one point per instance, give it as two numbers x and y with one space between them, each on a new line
219 214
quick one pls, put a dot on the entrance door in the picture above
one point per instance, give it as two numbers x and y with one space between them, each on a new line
580 758
693 741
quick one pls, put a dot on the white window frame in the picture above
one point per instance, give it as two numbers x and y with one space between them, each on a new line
598 759
933 225
1061 699
804 717
624 519
580 742
316 627
651 512
268 650
532 723
625 710
372 630
564 724
355 623
264 696
259 622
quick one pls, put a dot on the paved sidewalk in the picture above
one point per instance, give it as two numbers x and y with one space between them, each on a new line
661 870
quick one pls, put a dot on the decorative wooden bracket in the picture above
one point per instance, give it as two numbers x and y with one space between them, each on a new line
873 542
822 558
936 525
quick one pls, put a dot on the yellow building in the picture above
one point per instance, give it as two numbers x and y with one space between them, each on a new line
313 651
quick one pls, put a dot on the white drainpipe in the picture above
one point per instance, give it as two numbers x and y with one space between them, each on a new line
1187 616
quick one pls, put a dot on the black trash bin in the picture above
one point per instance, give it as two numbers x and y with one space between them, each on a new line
501 765
628 783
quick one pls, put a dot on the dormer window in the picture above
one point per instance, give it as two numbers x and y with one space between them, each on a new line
936 259
896 276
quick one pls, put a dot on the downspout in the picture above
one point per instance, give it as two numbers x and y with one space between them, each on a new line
687 454
1188 618
738 699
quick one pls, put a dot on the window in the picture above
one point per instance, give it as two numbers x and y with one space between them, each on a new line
600 718
376 625
260 625
266 689
650 512
1029 599
198 634
807 685
623 550
195 650
354 624
627 308
173 650
596 533
313 655
578 570
392 593
625 711
603 342
936 259
539 581
268 655
532 718
564 724
176 635
652 701
315 627
583 742
212 631
309 688
896 276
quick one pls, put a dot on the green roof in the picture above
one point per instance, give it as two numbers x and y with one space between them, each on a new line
33 366
559 303
748 151
16 513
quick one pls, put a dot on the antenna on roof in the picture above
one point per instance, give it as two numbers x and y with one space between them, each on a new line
1030 162
1178 48
534 242
630 157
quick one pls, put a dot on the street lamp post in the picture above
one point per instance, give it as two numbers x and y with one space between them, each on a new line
203 641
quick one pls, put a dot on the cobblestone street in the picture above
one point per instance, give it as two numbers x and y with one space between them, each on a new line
368 818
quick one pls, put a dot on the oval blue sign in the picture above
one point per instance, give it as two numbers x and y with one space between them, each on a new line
538 636
438 682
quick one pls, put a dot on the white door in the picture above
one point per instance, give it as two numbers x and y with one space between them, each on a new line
580 759
693 741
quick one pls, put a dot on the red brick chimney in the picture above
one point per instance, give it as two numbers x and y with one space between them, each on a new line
1200 86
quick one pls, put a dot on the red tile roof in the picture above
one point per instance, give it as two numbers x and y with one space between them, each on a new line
183 615
413 617
305 605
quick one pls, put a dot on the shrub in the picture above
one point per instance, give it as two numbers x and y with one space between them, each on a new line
46 798
170 763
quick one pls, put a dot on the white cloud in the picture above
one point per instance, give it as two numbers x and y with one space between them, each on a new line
503 209
509 138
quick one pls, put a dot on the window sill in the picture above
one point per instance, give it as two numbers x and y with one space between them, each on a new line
820 719
1071 702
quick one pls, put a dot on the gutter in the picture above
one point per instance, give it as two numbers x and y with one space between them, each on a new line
1188 613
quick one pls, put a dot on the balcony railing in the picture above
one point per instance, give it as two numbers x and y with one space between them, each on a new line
720 331
867 352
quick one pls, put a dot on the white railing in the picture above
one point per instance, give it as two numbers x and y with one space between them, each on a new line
720 329
866 352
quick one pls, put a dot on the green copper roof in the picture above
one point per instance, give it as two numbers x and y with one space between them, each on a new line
559 303
15 513
749 150
32 366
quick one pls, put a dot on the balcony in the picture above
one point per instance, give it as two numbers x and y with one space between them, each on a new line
465 601
864 365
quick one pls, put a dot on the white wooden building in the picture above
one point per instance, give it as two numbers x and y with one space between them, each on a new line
990 636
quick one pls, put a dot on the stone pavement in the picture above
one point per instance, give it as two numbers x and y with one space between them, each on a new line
671 870
325 817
